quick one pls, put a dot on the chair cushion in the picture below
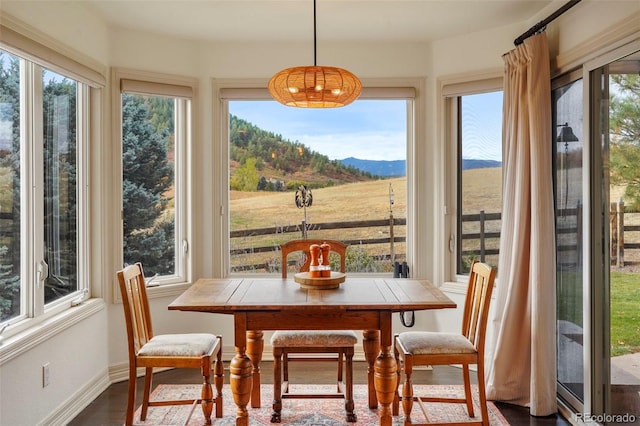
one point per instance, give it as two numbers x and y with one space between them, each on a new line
190 344
431 343
314 338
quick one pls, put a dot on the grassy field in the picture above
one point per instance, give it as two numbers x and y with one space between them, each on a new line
356 201
625 316
351 202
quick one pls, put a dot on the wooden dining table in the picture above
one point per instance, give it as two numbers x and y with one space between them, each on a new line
359 303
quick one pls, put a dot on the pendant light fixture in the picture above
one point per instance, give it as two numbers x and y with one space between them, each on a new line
315 86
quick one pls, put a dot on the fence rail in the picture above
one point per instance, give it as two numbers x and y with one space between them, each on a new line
623 226
480 235
248 242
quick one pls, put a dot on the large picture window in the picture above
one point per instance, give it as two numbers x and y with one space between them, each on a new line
336 174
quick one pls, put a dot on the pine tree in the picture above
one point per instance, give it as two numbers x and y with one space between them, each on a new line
10 201
625 136
148 234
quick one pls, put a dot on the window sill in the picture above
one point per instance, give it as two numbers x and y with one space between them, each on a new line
157 291
164 290
460 287
16 345
454 287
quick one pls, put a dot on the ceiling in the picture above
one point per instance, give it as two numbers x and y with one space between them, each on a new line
347 20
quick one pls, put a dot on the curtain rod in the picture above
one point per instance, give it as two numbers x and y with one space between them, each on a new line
540 26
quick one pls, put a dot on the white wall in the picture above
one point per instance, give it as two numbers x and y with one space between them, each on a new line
78 362
81 356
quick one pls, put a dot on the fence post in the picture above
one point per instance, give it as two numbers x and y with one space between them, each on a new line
620 233
613 230
391 248
482 243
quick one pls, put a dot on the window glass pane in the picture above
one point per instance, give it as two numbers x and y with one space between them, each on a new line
479 179
10 292
60 184
148 144
568 147
351 160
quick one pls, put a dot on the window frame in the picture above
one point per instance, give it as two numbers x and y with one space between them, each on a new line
37 318
184 90
452 90
409 89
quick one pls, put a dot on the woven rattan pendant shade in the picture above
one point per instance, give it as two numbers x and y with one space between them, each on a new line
315 86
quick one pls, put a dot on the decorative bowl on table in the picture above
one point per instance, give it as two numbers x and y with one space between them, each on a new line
319 283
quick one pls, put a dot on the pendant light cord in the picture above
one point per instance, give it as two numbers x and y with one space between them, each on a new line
314 34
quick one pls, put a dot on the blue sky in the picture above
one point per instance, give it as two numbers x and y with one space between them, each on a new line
371 129
482 126
366 129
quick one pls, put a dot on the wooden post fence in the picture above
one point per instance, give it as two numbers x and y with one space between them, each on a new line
616 218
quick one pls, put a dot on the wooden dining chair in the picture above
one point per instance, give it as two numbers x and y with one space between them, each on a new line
312 345
146 350
415 348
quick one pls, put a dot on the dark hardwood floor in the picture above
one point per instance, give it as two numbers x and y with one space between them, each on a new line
109 407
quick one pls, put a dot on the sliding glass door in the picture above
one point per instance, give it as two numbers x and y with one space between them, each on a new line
596 114
567 98
615 130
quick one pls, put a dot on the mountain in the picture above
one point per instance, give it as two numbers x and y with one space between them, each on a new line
479 164
399 168
378 167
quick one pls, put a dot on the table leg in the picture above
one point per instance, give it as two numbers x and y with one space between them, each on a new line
385 371
371 345
240 371
255 347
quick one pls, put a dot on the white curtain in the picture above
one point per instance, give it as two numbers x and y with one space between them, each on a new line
521 356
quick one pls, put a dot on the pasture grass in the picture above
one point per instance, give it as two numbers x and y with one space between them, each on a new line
625 313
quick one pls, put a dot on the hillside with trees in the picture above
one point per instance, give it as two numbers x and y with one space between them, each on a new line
265 161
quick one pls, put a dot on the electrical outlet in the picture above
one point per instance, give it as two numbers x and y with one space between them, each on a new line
45 375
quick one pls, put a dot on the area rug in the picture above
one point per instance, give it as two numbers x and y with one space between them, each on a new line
309 412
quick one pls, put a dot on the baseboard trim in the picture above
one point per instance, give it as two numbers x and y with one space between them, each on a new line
78 401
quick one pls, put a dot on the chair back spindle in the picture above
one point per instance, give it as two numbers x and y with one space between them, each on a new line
137 313
476 308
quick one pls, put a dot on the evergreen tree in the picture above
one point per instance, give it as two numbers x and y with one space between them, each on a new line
625 136
148 233
10 189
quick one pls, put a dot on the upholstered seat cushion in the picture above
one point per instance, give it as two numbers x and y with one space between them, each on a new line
430 343
190 344
314 338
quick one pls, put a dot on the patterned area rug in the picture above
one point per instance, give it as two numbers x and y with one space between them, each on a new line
308 412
